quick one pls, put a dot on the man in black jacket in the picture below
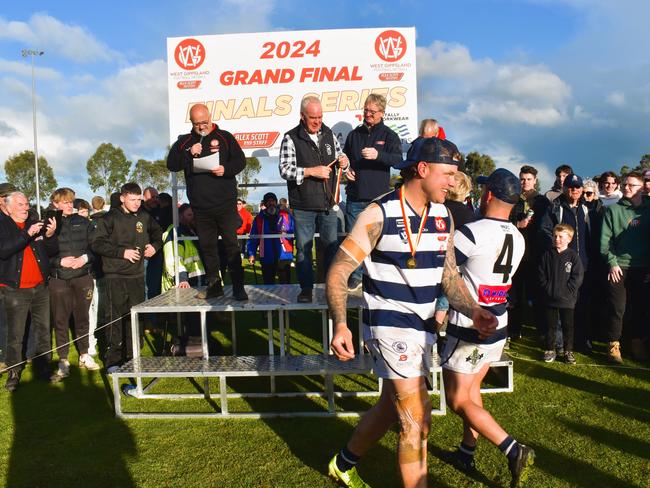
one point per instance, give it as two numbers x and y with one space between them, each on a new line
123 237
372 149
71 283
213 196
307 154
25 247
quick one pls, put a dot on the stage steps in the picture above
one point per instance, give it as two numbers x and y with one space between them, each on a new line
224 367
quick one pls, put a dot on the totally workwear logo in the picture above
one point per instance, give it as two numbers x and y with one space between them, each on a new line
189 54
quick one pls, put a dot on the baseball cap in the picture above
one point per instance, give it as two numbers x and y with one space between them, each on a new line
6 189
431 150
268 196
572 181
503 184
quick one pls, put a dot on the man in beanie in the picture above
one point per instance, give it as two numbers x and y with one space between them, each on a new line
405 242
5 189
276 253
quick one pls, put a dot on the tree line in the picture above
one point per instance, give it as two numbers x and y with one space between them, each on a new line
108 169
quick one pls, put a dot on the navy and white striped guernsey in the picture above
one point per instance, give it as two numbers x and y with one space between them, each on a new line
488 253
399 298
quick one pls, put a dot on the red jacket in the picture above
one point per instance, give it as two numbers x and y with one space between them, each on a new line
247 222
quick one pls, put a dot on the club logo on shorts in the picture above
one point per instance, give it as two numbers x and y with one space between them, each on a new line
403 357
441 225
139 227
399 347
475 357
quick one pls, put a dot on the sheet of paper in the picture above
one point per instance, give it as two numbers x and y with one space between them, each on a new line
207 163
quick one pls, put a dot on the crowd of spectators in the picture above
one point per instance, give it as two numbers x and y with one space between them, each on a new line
584 275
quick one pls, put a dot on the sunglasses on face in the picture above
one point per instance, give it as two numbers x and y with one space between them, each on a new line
589 193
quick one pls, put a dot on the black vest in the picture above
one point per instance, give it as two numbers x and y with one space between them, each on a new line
314 194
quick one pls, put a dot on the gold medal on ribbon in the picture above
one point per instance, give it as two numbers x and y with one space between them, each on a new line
411 262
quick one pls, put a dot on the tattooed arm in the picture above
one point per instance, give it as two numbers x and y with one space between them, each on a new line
356 246
459 296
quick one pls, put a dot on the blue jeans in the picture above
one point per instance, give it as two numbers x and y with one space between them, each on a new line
352 211
306 223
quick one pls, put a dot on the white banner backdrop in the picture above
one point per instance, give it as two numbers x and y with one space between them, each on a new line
253 83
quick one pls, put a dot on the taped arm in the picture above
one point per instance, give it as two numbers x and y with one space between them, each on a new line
356 246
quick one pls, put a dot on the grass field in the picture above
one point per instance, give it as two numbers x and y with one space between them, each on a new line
589 424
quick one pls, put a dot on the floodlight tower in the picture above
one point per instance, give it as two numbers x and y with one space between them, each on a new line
32 53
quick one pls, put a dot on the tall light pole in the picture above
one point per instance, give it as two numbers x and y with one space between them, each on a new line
32 53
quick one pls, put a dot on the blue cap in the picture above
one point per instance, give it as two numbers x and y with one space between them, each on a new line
431 150
503 184
572 181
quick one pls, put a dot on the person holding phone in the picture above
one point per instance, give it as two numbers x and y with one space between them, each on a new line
24 273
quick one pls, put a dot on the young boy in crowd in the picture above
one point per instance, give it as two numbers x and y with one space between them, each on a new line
561 275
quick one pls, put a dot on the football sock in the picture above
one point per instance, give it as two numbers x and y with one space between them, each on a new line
466 453
510 448
346 460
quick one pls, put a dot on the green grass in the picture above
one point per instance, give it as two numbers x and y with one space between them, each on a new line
589 424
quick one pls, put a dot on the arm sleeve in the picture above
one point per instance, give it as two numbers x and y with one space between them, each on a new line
545 232
101 239
577 274
179 157
251 245
289 169
544 276
11 245
357 244
155 234
391 154
607 240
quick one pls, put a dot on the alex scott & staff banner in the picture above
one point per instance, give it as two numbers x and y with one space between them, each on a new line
253 83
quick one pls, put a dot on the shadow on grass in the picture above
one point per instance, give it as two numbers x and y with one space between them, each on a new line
574 472
634 397
613 439
66 435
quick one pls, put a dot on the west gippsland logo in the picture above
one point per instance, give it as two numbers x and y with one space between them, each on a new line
390 46
189 54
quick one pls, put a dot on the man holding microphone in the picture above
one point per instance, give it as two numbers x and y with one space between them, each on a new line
213 196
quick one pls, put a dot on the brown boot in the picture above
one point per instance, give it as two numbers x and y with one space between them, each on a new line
614 353
637 350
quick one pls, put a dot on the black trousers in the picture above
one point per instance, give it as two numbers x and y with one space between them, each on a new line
19 303
121 294
280 268
210 224
71 297
627 306
566 319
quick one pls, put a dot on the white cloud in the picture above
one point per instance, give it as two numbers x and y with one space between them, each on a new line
67 40
616 99
481 90
444 60
25 69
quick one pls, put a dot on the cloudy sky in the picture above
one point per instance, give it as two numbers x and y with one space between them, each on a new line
542 82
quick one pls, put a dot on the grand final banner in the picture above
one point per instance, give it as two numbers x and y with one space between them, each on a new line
253 83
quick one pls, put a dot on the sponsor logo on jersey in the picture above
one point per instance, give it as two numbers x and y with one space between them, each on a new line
490 294
403 357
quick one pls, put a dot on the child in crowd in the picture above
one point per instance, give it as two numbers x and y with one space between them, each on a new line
561 275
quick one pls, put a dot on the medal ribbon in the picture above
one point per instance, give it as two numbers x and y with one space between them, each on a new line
337 190
407 223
